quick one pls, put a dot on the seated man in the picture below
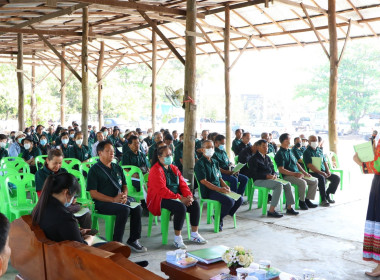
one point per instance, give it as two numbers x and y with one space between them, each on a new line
265 136
149 139
272 142
16 147
134 156
303 143
143 145
245 142
5 251
292 171
100 138
198 144
262 172
237 141
321 172
107 186
221 157
178 155
296 150
157 138
244 157
168 140
31 151
212 185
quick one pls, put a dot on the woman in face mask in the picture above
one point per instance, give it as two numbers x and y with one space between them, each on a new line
30 153
43 145
65 144
78 150
51 212
167 189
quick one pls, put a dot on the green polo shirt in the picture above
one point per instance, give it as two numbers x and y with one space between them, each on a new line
27 155
271 149
66 150
198 145
235 145
114 140
172 180
3 153
297 153
37 137
178 154
151 150
204 169
221 157
175 142
286 159
310 152
98 180
83 153
51 137
139 159
43 173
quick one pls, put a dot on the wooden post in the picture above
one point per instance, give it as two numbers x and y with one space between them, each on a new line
190 79
100 85
63 90
227 78
333 86
33 103
85 89
20 82
154 77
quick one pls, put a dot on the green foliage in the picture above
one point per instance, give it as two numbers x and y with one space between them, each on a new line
358 82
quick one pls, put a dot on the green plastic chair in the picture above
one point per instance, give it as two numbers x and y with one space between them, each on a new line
236 159
109 221
128 177
165 219
71 163
40 161
18 166
93 160
84 197
333 156
213 206
21 205
6 159
4 207
85 167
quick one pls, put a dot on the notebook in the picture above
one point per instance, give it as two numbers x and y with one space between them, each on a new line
209 255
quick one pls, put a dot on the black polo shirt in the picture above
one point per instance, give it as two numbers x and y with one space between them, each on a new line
244 157
260 167
35 152
98 180
139 159
3 153
83 153
297 153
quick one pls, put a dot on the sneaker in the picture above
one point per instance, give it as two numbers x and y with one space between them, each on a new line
136 246
197 238
303 205
291 212
310 204
178 243
324 203
274 214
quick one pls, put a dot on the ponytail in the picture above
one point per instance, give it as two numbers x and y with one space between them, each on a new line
54 184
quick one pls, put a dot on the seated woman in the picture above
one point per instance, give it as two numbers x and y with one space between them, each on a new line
167 189
30 153
64 146
52 166
43 144
78 150
51 212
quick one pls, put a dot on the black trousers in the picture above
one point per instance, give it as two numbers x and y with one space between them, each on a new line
229 206
122 211
179 210
334 183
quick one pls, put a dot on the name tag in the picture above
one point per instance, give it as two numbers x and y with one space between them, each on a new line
86 155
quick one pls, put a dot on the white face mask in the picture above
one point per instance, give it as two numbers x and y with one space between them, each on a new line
3 144
27 146
303 144
314 145
209 152
79 142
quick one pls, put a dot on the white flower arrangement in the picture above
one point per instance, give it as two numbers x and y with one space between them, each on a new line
238 256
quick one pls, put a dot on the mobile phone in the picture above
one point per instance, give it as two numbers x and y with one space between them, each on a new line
92 232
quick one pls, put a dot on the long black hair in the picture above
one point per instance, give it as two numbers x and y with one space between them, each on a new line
54 184
157 153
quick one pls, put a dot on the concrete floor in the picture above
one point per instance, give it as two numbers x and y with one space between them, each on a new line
328 240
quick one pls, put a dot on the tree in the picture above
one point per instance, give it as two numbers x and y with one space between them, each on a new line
358 83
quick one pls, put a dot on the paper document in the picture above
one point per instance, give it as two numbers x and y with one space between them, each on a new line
365 151
98 239
133 204
281 181
81 212
120 149
317 162
233 195
238 167
310 178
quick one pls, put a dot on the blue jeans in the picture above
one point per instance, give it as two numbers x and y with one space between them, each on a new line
233 180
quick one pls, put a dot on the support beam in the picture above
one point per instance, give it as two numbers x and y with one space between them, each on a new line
60 57
162 36
154 77
33 102
100 85
227 78
39 31
20 83
211 42
241 52
63 89
190 107
85 89
333 86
